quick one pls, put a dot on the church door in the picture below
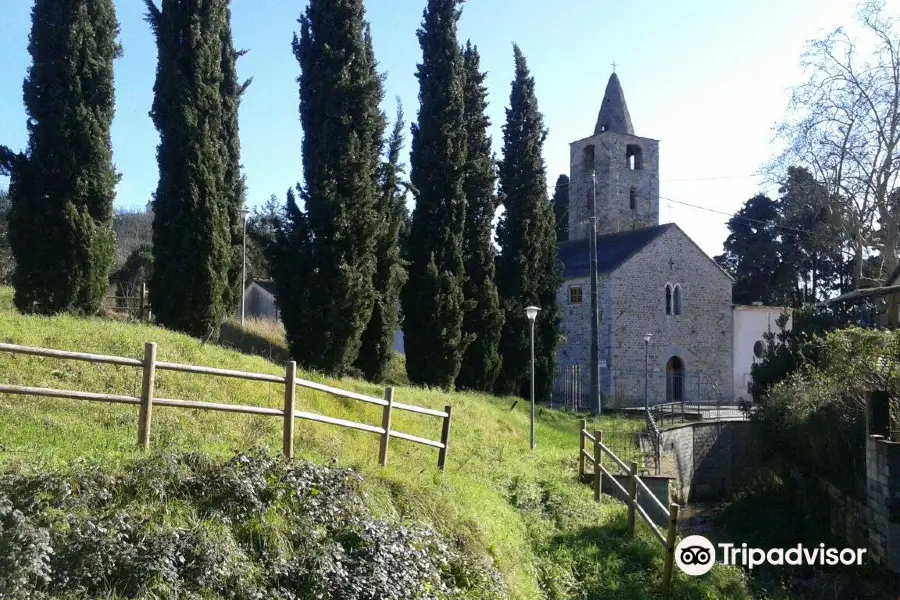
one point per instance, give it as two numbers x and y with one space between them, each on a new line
674 380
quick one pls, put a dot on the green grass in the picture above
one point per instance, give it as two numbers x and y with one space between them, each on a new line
522 509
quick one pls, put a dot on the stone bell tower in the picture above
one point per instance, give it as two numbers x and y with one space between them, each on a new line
626 171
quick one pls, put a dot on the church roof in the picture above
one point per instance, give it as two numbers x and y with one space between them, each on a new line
612 250
614 115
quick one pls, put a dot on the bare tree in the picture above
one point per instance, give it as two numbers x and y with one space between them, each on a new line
843 125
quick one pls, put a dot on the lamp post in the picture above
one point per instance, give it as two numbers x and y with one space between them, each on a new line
647 372
244 214
531 312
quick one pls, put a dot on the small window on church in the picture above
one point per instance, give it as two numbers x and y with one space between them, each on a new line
668 299
677 300
633 157
575 294
632 199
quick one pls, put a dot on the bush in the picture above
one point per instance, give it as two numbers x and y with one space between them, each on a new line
185 526
814 418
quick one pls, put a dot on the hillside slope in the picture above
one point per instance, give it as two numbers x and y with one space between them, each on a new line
519 510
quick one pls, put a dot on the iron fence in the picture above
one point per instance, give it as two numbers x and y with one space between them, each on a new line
673 396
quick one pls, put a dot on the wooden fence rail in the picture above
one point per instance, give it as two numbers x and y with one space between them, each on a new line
148 400
635 484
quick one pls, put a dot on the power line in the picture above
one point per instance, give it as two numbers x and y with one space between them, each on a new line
731 216
712 178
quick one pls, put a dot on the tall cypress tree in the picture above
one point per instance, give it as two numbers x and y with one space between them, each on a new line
390 272
192 241
561 207
235 189
529 271
483 322
433 302
62 188
327 302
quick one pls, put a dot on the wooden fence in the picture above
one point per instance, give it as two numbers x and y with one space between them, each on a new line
668 538
147 401
138 306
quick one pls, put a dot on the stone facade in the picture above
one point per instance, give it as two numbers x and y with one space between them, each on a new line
700 337
690 351
627 198
632 303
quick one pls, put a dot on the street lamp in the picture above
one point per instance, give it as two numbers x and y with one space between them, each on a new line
531 312
244 213
647 372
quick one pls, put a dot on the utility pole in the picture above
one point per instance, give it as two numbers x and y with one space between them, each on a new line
244 214
595 320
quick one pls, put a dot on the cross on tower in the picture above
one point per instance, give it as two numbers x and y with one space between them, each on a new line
671 263
614 66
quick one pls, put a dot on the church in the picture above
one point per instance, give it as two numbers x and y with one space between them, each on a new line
665 307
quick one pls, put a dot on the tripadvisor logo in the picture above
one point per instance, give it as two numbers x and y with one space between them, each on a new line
696 555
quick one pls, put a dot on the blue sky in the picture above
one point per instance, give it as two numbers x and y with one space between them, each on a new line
707 78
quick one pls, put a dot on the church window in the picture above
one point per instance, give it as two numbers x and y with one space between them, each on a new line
575 294
634 157
677 300
668 299
588 157
632 199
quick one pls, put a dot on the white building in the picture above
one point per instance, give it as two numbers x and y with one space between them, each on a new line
750 325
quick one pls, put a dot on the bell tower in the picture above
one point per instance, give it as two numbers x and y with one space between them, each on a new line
625 169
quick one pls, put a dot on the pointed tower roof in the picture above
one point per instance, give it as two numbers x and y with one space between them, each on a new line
614 112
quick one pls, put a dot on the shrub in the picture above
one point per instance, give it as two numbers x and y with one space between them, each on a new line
814 418
176 526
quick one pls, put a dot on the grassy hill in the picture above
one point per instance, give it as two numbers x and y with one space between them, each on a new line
518 512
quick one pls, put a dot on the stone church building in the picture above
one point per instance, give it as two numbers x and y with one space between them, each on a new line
652 279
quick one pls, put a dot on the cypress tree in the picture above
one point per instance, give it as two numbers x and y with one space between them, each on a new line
483 322
191 224
62 187
235 189
529 272
433 302
561 208
327 301
390 272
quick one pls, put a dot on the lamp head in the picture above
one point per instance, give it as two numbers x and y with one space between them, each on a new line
647 338
531 312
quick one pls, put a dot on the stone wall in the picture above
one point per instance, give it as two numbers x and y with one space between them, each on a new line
883 500
701 336
614 182
710 459
631 301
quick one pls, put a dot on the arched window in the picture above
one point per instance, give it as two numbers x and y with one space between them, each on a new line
634 157
677 300
668 299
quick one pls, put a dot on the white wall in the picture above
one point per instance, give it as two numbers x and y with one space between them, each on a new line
750 323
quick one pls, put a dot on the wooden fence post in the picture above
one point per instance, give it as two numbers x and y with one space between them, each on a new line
445 439
290 401
598 460
581 450
143 299
145 413
632 502
386 425
670 550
